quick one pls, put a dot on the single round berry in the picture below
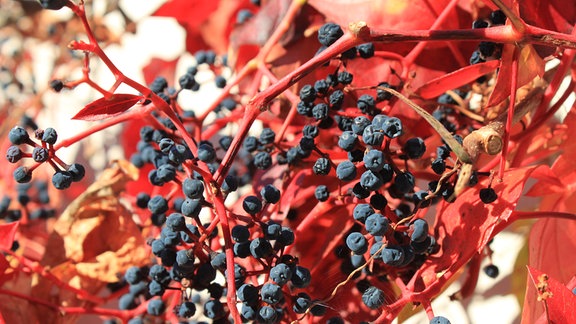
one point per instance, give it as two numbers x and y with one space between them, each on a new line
252 205
240 233
301 277
53 4
301 303
346 171
366 103
62 180
270 194
414 148
192 188
329 33
491 271
404 182
213 309
321 193
156 307
371 181
77 171
366 50
220 82
307 93
267 136
158 205
393 255
320 111
187 309
372 136
347 141
392 127
359 123
206 153
18 135
336 99
271 293
260 248
376 224
373 297
361 212
267 314
14 154
438 166
134 275
357 243
281 274
488 195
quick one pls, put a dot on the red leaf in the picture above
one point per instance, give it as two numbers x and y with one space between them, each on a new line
555 15
456 79
7 232
561 304
105 108
464 227
530 65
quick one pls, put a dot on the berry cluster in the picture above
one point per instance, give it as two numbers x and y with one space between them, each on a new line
64 174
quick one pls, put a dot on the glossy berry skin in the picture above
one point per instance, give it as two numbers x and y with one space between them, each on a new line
206 153
271 293
346 171
252 205
488 195
18 135
329 33
491 271
404 182
438 166
357 243
373 297
321 193
247 294
439 320
270 194
62 180
414 148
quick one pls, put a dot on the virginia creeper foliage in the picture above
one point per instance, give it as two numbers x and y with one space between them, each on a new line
357 157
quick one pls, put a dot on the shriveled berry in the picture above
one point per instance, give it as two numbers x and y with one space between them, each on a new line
392 127
366 103
307 93
321 166
329 33
336 99
393 255
372 136
346 171
13 154
281 274
373 297
347 141
365 50
320 111
359 123
371 180
62 180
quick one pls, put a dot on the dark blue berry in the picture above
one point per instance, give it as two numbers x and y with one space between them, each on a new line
270 194
281 274
62 180
248 312
373 297
320 111
213 309
321 166
392 127
371 181
206 153
267 136
13 154
133 275
251 143
156 307
240 233
488 195
262 160
393 255
420 232
230 183
321 193
491 271
187 309
438 166
192 188
307 93
310 131
404 182
346 171
301 303
347 141
361 212
345 77
439 320
497 17
336 99
329 33
260 248
18 135
271 293
359 123
366 50
321 87
414 148
220 82
372 136
267 314
53 4
376 224
252 205
366 103
127 301
479 24
158 205
357 243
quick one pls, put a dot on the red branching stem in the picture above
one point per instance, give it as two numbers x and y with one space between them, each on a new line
515 20
45 273
428 309
513 87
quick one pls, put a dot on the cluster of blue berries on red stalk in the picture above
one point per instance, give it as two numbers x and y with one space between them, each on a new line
65 174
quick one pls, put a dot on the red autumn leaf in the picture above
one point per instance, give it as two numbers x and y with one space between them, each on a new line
159 68
105 108
530 65
456 79
464 227
7 233
556 15
561 302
